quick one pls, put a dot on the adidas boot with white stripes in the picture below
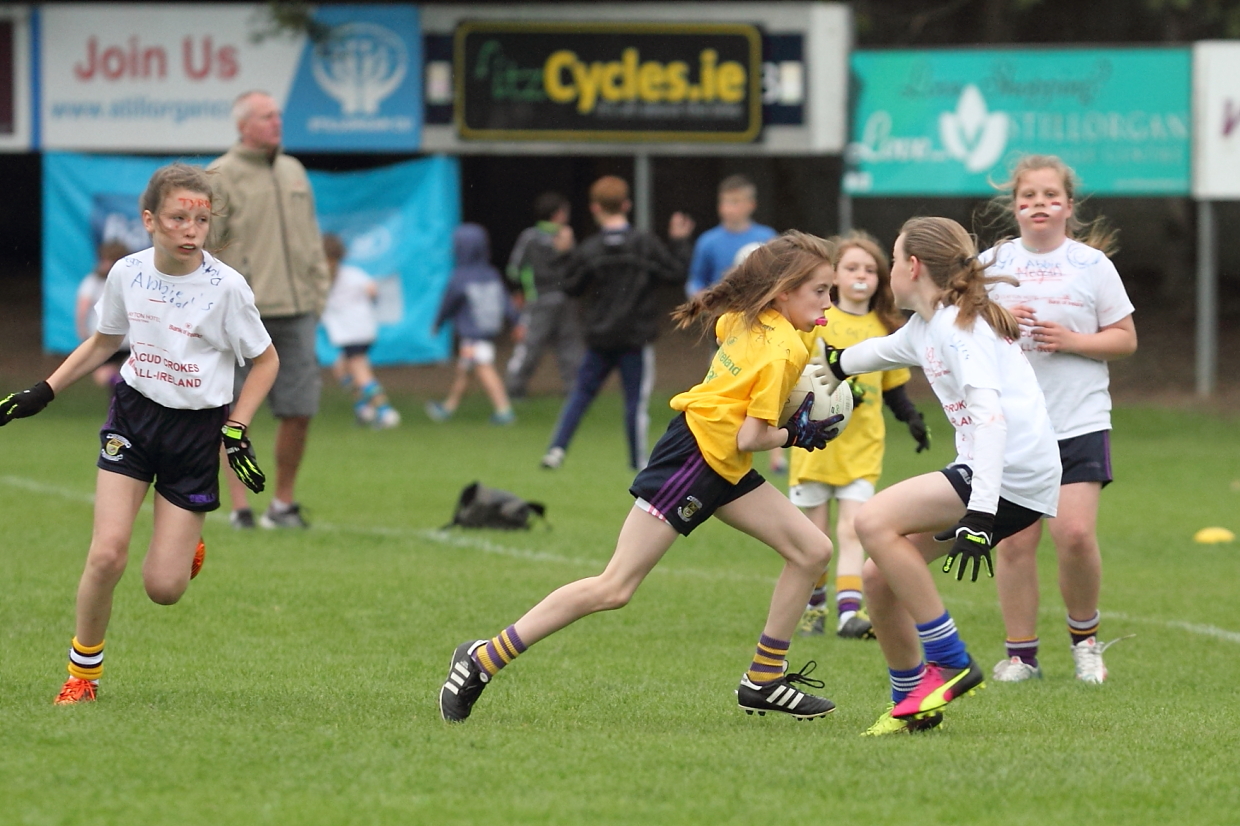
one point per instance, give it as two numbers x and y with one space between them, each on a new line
782 697
464 684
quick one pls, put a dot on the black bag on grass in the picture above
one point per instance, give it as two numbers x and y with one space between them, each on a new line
483 507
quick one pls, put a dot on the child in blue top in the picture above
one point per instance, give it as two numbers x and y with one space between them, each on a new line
715 251
478 305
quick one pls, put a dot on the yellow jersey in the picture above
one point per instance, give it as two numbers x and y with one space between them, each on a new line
858 452
752 374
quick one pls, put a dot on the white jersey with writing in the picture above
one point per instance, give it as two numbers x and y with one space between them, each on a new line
1078 287
185 331
954 359
349 317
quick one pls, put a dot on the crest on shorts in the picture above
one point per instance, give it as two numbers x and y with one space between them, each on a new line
113 446
687 511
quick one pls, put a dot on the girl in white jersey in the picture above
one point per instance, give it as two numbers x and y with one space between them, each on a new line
1005 477
189 319
1075 316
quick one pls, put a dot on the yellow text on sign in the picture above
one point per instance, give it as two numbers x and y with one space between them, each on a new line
566 78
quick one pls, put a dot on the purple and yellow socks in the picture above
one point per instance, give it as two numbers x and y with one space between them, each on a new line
1025 649
768 661
847 596
499 651
1082 630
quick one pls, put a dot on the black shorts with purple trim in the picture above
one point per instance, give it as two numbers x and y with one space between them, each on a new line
1010 518
179 450
678 485
1086 458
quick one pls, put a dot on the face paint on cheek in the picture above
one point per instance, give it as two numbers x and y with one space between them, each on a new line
1023 210
1056 206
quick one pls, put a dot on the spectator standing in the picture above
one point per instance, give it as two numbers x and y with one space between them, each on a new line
549 316
616 272
267 230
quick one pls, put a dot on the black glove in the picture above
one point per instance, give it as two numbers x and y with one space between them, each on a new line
807 433
831 358
858 393
26 403
974 539
241 457
920 433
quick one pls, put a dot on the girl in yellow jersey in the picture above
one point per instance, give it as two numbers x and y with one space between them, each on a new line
848 469
703 465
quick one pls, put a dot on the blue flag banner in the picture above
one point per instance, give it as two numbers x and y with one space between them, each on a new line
395 221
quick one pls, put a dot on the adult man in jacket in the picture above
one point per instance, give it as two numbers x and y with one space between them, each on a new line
266 230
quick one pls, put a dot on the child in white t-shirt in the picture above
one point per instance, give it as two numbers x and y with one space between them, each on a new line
86 320
189 319
1075 316
352 326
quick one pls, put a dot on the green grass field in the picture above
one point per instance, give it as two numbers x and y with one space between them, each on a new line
296 681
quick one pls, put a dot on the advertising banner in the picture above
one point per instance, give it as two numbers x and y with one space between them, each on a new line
608 81
163 77
1216 111
396 223
14 78
952 122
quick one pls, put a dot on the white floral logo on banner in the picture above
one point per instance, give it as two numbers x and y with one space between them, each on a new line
360 66
971 133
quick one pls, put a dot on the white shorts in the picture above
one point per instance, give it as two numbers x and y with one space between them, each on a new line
813 494
476 351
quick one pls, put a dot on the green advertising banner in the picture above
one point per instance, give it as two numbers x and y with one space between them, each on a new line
953 122
608 81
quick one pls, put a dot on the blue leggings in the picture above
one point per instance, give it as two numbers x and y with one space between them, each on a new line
636 377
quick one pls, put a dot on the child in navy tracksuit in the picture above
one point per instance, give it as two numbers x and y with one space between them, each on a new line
478 305
616 273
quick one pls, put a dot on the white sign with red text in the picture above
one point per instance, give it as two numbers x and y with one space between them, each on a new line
1216 118
153 77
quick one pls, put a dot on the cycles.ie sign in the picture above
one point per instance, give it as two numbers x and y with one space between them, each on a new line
608 82
951 122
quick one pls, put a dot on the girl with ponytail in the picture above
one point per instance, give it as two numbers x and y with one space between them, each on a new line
703 465
1004 478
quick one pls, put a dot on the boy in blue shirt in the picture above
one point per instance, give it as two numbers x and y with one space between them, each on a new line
715 251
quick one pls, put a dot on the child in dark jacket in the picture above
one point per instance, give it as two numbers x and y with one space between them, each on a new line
478 304
616 273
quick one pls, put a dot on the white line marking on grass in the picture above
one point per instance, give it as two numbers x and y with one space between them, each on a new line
1191 627
441 537
478 543
48 490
